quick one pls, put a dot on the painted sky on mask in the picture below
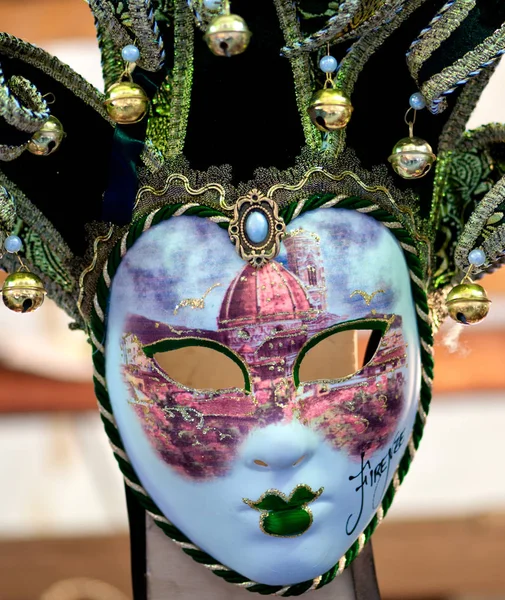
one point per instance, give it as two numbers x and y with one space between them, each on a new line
183 257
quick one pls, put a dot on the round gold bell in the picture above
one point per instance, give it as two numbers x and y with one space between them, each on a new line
23 292
330 109
227 35
412 158
467 303
48 138
126 102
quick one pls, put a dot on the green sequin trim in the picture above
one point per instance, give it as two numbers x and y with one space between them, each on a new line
172 133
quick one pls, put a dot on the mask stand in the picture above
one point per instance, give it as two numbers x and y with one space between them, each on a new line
161 570
171 575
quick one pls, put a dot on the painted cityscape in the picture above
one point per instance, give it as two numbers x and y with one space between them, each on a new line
265 319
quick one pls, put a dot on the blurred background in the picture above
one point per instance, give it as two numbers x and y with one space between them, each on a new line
63 524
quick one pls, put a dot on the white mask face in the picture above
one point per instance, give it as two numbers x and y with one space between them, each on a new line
271 460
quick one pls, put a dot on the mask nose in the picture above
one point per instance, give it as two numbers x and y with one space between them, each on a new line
280 446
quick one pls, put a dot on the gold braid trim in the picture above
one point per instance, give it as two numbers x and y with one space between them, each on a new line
347 13
440 28
147 34
353 20
352 64
40 59
492 245
301 67
470 65
108 24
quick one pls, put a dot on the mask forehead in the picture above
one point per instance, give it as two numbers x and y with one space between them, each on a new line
164 269
182 280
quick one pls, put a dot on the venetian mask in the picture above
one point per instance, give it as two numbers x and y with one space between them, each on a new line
226 389
234 237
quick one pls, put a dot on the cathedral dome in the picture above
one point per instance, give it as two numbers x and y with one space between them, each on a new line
271 293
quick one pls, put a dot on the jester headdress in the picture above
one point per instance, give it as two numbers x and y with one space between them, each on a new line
226 226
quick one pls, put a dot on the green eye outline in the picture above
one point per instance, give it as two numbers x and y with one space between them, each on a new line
381 325
168 344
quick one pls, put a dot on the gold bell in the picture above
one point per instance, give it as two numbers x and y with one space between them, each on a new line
23 292
227 35
467 303
330 109
126 103
48 138
412 158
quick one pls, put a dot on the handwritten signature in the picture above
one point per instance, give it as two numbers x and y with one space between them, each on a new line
370 479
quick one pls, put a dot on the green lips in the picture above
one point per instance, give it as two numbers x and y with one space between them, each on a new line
283 516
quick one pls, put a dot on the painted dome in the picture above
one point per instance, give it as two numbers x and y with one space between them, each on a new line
270 293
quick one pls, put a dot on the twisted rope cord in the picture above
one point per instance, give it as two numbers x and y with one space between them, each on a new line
335 29
441 27
463 70
96 326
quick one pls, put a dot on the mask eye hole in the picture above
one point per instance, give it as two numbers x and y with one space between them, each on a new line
369 341
320 358
200 364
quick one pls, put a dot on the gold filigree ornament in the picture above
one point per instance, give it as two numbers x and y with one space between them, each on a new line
256 229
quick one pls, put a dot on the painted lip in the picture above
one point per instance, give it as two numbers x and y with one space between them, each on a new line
282 515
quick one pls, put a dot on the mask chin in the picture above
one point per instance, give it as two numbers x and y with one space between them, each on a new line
237 394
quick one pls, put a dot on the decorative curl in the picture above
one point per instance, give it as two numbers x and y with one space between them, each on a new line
21 104
23 107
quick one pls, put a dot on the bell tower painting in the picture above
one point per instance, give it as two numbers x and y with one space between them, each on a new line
305 261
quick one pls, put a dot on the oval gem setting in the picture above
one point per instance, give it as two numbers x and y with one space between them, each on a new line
256 227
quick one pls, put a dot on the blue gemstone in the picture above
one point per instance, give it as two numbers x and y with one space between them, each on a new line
256 227
13 244
477 257
417 101
212 5
328 64
130 53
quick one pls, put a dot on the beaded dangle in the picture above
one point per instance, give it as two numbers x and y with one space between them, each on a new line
227 34
412 157
329 109
22 291
468 303
126 101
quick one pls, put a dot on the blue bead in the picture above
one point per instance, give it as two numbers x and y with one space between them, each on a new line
417 101
477 257
130 53
256 227
212 5
328 64
13 244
